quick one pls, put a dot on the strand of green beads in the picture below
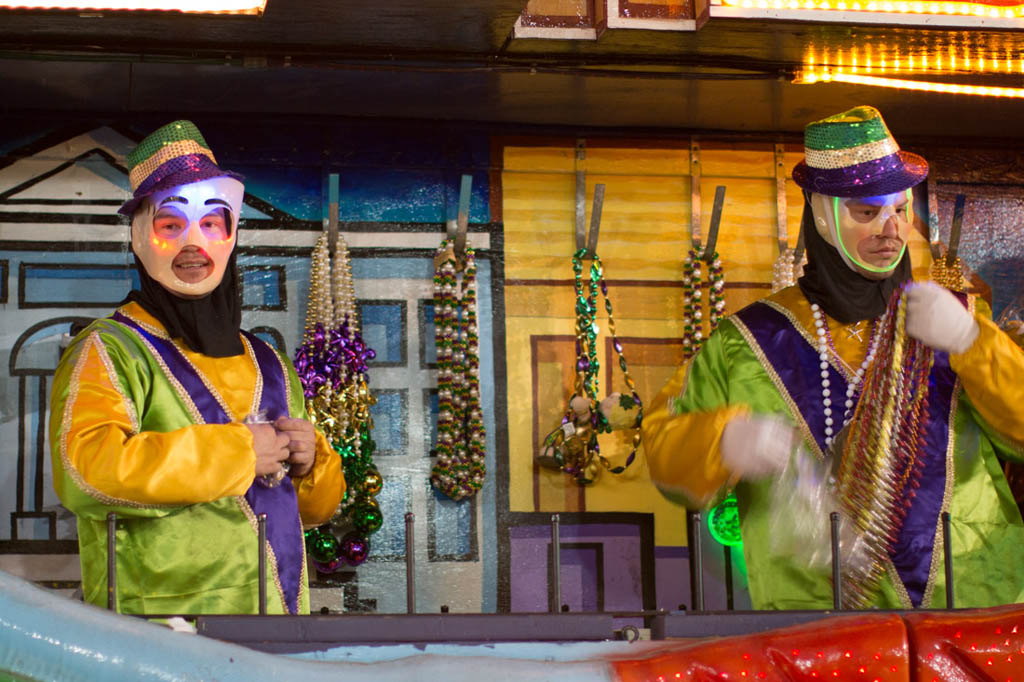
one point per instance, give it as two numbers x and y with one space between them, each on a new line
633 399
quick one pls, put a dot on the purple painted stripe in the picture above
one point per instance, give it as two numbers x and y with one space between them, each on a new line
284 528
797 364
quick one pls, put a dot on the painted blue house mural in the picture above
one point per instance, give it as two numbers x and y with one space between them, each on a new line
64 260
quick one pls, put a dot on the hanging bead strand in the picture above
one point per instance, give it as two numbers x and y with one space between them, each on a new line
693 299
460 468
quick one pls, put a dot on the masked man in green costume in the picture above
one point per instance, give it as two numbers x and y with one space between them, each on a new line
185 426
788 370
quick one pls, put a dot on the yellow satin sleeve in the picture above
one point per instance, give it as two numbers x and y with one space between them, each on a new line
104 451
992 374
683 451
320 490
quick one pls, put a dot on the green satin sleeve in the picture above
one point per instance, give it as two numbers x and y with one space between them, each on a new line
683 428
121 439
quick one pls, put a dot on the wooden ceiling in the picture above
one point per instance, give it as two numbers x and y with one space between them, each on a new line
459 61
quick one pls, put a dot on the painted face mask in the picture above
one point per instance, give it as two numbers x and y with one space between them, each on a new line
184 236
870 233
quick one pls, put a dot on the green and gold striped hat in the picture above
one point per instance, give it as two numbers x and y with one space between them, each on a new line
175 154
853 154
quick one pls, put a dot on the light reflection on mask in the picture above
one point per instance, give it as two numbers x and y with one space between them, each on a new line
870 233
193 224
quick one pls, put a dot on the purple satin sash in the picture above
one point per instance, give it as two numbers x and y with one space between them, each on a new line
789 354
284 528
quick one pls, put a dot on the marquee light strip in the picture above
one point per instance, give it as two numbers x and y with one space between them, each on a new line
968 9
186 6
809 77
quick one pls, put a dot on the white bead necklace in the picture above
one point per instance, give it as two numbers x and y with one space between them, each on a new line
821 329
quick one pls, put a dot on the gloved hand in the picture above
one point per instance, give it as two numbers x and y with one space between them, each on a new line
757 446
937 319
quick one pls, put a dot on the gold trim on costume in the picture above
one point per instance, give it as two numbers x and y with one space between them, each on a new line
766 365
842 366
897 583
193 410
938 547
186 399
65 428
108 364
257 391
159 332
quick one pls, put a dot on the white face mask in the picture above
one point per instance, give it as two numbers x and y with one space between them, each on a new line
184 236
870 233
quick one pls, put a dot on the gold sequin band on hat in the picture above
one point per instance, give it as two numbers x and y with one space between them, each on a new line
841 158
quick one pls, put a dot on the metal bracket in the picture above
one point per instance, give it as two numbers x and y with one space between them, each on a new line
588 240
457 229
695 193
780 197
332 213
716 220
934 241
954 230
581 195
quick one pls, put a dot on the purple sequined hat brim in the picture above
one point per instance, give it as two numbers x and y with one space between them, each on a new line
887 175
180 170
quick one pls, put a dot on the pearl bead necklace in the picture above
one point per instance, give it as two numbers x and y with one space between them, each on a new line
824 341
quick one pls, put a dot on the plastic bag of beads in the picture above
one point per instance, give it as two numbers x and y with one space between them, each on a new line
803 497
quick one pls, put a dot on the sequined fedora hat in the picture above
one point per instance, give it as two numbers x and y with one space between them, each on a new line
174 154
853 154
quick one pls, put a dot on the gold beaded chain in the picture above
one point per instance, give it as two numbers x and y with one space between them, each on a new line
948 275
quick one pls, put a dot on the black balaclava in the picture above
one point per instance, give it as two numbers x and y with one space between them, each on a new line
209 325
842 293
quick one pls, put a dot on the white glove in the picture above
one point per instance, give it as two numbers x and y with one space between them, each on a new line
757 446
937 319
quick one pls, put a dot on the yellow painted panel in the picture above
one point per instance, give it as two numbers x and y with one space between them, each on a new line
644 225
645 162
539 159
720 161
644 237
635 308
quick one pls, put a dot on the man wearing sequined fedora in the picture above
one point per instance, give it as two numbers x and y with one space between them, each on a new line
785 376
169 415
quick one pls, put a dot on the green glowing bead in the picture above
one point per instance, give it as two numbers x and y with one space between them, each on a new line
724 522
367 517
322 545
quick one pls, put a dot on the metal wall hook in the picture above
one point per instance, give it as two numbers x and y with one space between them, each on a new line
332 213
456 230
588 240
716 220
955 228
